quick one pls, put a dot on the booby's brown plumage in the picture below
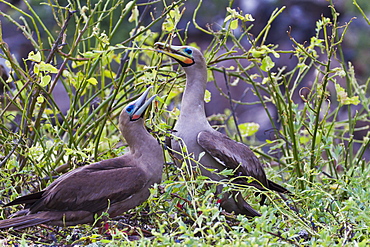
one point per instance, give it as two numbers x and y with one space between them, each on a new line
199 137
115 185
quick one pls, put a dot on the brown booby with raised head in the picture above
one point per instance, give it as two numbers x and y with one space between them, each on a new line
113 186
220 152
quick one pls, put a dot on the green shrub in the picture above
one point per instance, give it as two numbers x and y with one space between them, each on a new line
101 53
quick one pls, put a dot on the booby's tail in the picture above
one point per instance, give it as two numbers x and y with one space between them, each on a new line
24 221
278 188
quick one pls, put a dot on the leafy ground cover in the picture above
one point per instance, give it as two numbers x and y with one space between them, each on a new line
100 53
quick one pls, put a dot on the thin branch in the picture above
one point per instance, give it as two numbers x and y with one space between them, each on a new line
231 104
54 49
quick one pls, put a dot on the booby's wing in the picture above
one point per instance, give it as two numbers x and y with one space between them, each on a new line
237 156
27 199
94 187
233 155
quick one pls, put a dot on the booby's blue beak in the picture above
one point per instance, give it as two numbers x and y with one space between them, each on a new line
137 108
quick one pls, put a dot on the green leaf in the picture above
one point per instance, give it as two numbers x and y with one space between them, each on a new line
40 99
70 151
134 14
160 99
200 177
34 57
36 69
207 96
226 172
210 75
257 53
238 15
248 129
343 98
92 81
235 82
234 24
45 80
352 101
128 5
90 54
172 19
304 139
267 64
262 51
45 67
109 74
248 17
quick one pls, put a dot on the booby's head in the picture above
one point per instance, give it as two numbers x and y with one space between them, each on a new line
184 55
136 109
190 58
131 123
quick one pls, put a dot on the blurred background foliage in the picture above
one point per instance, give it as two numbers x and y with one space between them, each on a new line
289 78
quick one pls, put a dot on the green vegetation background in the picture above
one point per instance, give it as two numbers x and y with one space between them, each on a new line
101 52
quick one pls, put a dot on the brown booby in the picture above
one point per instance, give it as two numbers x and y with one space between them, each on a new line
218 151
113 186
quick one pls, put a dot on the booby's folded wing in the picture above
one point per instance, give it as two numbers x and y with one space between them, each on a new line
27 199
237 156
93 188
233 155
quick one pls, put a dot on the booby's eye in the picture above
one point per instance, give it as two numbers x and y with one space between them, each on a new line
188 51
129 108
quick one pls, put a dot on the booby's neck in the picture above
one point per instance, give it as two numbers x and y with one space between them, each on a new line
144 151
138 138
192 104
